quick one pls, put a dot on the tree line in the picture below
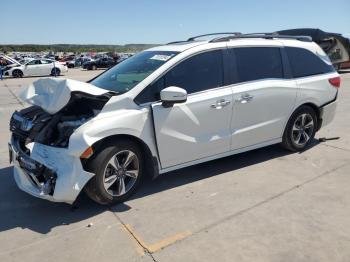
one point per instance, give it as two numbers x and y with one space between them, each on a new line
74 48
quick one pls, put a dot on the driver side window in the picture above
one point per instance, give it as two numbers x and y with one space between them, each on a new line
197 73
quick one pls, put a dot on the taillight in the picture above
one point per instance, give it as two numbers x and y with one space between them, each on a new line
335 81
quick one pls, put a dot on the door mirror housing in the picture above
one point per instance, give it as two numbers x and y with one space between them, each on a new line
173 94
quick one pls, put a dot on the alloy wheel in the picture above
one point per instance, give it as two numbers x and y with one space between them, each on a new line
121 173
303 128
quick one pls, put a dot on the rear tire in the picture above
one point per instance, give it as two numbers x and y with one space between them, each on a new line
300 129
55 71
17 73
112 185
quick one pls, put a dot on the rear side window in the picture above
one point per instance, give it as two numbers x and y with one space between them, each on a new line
305 63
197 73
255 63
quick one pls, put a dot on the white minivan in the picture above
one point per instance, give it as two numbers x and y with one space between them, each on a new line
170 107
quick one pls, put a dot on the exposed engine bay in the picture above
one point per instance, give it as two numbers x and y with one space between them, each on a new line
33 124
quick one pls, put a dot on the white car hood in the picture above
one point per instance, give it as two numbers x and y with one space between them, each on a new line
52 94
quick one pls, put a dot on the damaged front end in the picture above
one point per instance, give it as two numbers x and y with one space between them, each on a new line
44 164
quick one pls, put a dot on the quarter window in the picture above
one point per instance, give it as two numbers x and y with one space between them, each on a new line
254 63
305 63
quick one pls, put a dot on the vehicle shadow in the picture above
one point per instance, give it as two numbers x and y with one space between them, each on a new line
18 209
209 169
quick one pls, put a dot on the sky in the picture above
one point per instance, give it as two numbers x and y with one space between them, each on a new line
156 21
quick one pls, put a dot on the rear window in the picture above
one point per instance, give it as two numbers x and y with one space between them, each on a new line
305 63
255 63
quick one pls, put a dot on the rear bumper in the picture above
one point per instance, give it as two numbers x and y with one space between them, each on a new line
327 113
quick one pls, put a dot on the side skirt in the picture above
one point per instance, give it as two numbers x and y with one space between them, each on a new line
229 153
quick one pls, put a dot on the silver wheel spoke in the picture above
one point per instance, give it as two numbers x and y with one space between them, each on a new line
306 136
121 186
303 119
310 124
114 162
296 128
132 173
297 139
130 157
109 181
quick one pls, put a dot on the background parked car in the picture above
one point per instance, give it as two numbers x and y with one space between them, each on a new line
105 62
38 67
78 62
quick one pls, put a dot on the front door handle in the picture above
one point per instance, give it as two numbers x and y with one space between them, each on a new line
245 99
220 104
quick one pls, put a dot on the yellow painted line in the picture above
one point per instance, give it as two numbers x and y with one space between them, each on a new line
160 244
139 247
168 241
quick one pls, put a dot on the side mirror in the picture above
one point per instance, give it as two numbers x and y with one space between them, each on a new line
172 95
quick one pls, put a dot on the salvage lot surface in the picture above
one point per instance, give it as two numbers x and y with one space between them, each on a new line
264 205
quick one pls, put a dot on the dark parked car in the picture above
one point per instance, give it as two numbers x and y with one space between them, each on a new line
105 62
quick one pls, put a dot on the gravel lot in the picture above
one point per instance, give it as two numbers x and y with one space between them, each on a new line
264 205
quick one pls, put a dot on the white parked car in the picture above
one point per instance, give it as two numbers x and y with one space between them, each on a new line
170 107
38 67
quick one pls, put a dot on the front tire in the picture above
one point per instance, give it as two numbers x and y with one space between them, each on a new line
300 130
17 73
118 169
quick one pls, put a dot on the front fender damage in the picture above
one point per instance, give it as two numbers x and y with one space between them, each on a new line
46 164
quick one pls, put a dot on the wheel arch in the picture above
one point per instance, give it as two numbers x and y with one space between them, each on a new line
314 107
151 169
317 112
17 69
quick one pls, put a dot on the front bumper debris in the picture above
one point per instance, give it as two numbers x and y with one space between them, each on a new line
48 172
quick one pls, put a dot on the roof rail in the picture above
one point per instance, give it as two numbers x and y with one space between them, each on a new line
193 38
226 33
262 35
176 42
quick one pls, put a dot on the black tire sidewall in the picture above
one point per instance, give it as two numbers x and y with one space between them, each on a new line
18 73
55 71
287 138
98 165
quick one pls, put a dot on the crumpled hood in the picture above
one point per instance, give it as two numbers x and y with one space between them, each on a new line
52 94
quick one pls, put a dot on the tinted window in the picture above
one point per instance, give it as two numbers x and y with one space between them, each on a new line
305 63
200 72
34 62
151 93
255 63
46 61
